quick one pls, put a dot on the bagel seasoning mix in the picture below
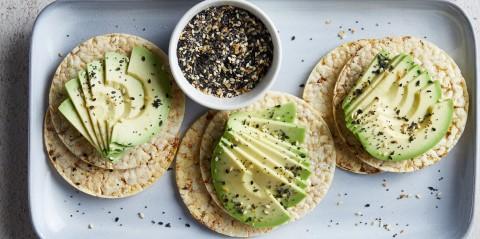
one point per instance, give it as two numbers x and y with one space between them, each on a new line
225 51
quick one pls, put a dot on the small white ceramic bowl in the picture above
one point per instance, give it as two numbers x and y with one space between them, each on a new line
211 101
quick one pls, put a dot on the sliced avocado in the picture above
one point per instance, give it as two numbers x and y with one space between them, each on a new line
402 116
380 85
146 68
92 110
287 193
420 138
68 110
75 94
424 99
284 112
296 152
412 88
131 88
278 156
290 132
397 91
240 195
376 68
279 164
97 98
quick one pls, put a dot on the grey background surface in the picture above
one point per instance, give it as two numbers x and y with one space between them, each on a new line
16 22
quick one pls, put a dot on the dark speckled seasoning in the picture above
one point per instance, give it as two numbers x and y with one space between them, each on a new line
225 51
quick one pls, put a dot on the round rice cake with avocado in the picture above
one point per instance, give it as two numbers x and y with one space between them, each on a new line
80 59
318 93
318 144
440 67
192 187
104 183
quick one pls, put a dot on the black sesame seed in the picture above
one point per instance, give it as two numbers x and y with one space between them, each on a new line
225 51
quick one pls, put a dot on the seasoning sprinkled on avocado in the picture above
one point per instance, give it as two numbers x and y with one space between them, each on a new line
400 113
259 167
118 102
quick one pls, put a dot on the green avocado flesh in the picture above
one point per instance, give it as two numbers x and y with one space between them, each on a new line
284 113
399 112
257 172
119 102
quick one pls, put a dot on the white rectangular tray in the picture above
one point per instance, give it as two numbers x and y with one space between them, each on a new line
58 211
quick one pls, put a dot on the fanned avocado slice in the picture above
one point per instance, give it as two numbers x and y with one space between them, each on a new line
265 148
401 116
131 88
240 195
286 192
93 110
119 102
375 69
423 137
96 75
75 94
381 84
281 165
412 88
68 111
295 151
146 68
291 161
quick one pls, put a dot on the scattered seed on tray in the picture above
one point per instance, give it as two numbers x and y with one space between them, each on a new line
225 51
90 226
168 225
141 215
293 38
187 225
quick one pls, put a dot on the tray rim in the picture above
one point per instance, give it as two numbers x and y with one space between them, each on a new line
473 219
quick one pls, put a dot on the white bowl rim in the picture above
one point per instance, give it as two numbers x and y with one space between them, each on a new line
211 101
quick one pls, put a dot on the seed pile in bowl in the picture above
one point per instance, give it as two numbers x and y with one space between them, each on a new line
225 51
